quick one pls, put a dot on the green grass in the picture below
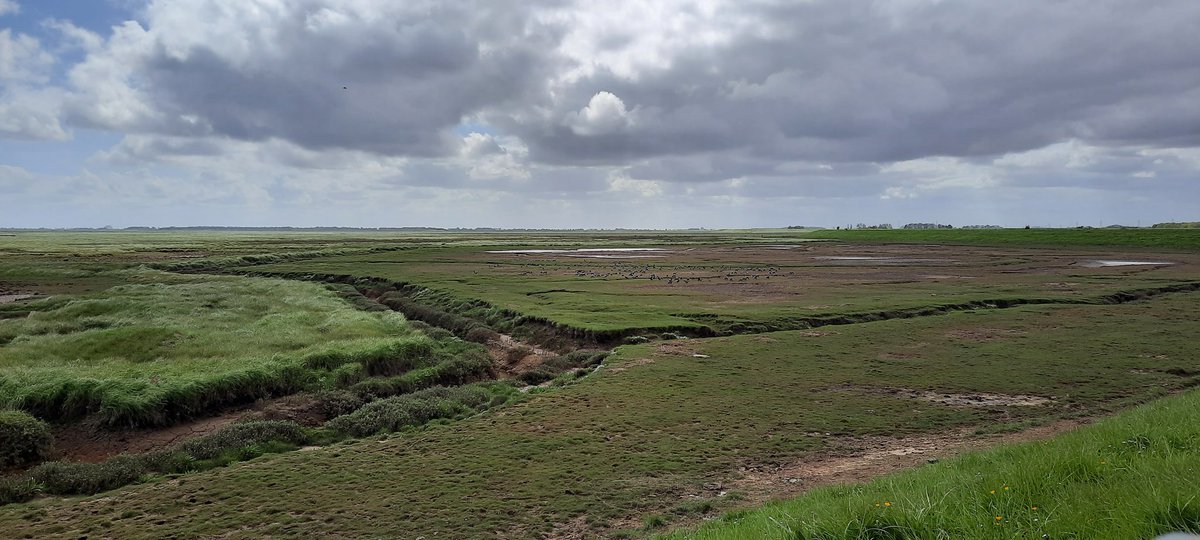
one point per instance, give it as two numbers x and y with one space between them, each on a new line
165 347
1131 476
625 449
1174 239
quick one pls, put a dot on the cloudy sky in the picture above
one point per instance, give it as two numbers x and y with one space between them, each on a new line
573 113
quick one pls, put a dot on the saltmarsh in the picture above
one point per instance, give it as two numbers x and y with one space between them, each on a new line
658 434
748 288
163 347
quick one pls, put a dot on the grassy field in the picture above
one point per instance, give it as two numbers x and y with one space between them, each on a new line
658 434
1159 239
163 347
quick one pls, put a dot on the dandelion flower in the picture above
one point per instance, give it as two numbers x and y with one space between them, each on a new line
888 503
999 518
993 492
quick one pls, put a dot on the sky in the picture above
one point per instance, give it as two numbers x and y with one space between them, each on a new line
582 114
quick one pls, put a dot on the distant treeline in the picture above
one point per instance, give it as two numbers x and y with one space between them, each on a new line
1177 225
917 226
927 226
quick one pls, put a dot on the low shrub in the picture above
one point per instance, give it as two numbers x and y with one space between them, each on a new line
335 403
231 443
62 478
23 439
481 334
417 408
467 367
236 436
17 489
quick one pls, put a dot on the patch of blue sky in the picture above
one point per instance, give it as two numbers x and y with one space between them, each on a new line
466 128
56 158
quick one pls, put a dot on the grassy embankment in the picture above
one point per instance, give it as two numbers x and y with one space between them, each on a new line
638 445
1130 476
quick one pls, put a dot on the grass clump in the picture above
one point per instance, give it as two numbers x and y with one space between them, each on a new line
23 439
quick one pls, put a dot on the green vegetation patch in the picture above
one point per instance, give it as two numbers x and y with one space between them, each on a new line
625 449
169 347
23 439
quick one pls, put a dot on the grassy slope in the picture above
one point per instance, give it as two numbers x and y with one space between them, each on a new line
1131 476
638 437
138 345
1180 239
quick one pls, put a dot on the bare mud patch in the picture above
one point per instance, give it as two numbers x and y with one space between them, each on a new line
971 399
513 357
676 348
589 253
818 333
856 259
631 364
10 298
859 459
982 399
984 334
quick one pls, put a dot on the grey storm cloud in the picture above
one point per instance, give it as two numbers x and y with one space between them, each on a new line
856 81
390 78
899 105
845 80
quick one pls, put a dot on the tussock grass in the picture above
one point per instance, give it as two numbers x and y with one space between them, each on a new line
1130 476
